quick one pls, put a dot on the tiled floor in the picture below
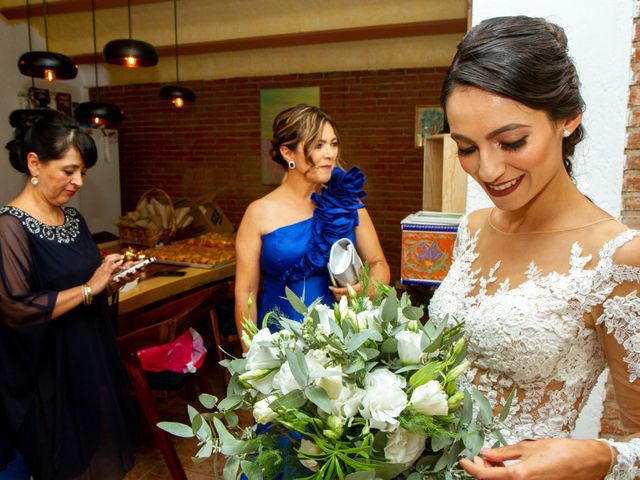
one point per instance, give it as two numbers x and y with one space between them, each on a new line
149 464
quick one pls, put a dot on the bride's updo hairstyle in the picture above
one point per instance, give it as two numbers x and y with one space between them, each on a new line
524 59
299 124
50 137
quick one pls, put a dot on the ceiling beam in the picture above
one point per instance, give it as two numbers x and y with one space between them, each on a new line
67 6
374 32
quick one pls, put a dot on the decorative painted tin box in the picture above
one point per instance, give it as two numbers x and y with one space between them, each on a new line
427 246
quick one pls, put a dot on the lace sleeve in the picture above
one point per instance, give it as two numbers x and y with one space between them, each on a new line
620 319
21 304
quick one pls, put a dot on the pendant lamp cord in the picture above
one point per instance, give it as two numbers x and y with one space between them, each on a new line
95 47
129 14
46 31
175 31
33 81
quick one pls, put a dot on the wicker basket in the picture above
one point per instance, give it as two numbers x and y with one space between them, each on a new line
150 237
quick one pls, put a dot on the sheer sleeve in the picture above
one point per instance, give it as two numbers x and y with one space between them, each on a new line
619 325
21 301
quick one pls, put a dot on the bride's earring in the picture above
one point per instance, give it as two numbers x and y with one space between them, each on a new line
565 133
34 180
292 164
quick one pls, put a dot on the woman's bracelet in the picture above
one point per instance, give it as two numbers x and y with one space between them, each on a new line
87 294
612 451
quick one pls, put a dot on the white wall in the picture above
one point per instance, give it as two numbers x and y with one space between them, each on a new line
14 43
600 36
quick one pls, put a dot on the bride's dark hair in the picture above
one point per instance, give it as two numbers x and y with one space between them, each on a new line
50 137
524 59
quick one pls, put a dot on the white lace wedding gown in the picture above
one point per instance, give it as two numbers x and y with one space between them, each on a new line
527 323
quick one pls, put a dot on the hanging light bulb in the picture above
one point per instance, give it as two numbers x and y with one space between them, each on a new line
97 114
47 65
129 52
176 94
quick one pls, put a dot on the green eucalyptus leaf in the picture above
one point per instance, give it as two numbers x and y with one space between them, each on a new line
439 440
501 440
230 402
229 444
442 462
230 471
177 429
368 353
390 345
296 302
507 406
291 400
232 418
473 440
390 308
196 423
467 409
205 451
357 365
485 414
413 313
319 397
208 401
192 412
298 365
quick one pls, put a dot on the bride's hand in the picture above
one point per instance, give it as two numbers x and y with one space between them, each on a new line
552 459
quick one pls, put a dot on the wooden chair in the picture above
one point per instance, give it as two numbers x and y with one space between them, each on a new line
224 340
161 325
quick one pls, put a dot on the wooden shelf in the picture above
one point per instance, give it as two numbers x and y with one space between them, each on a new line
444 184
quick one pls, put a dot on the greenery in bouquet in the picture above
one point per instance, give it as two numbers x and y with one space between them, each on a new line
360 390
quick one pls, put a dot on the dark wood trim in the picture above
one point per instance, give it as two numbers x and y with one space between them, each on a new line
398 30
67 6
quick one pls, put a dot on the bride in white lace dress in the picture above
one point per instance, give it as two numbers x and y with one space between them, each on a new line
545 281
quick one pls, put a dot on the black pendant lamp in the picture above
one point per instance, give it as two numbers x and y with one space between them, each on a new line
128 52
97 114
47 65
177 94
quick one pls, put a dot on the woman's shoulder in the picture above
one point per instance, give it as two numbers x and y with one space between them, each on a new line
475 220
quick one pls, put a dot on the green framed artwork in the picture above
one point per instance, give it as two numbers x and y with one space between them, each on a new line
272 102
429 121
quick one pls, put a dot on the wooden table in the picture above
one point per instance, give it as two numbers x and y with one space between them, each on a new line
155 289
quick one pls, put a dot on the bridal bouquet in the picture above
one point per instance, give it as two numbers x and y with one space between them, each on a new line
360 390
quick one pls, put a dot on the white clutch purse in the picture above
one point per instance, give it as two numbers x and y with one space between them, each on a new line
344 263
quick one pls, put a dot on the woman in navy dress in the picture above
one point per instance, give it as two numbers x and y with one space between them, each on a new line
285 237
64 399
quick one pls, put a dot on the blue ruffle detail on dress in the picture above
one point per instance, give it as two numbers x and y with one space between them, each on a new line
335 217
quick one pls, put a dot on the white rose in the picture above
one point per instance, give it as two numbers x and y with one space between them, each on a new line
409 349
262 412
325 314
430 399
261 354
348 401
284 381
310 448
316 363
384 399
403 447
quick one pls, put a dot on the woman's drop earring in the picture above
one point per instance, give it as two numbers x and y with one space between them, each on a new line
565 133
34 180
292 164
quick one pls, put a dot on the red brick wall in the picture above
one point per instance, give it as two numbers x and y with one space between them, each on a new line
215 143
611 425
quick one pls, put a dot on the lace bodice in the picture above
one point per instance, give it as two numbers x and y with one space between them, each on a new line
533 336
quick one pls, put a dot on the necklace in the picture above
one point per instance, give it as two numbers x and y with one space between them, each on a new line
545 231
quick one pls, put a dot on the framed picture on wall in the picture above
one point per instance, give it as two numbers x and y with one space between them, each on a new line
272 102
429 120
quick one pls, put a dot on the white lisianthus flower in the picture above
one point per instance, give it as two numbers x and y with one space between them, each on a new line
311 448
262 354
347 403
284 381
265 384
262 412
316 361
404 447
325 313
384 399
430 399
409 349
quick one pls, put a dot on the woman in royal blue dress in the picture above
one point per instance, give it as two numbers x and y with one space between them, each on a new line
285 237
